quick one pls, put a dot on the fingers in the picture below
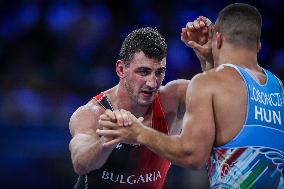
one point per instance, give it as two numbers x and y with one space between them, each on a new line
201 23
110 114
196 25
197 33
195 46
107 133
184 36
111 119
107 124
111 143
122 117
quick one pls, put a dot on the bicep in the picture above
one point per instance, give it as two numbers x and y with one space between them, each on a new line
198 123
82 125
177 90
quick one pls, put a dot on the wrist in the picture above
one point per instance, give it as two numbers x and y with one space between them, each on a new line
141 135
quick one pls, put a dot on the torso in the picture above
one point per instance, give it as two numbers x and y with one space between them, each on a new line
249 149
132 166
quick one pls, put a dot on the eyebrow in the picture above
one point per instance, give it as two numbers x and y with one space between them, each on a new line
143 69
147 68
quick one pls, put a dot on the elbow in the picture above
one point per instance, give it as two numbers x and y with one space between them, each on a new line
79 168
191 159
195 164
190 162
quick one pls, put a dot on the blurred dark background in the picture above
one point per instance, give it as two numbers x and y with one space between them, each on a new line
57 54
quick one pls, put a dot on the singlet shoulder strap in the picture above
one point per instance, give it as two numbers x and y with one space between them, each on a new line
103 100
158 117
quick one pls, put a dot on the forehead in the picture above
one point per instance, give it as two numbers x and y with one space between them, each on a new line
141 60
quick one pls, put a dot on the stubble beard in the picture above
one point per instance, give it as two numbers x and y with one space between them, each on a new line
135 96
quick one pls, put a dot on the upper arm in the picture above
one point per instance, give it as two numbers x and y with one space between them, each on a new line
177 88
198 132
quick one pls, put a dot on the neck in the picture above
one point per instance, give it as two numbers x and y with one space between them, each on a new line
121 100
242 56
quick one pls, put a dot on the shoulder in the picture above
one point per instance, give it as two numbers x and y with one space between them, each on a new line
208 80
220 73
91 108
174 87
173 93
215 80
85 117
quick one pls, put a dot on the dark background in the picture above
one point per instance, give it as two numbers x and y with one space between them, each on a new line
57 54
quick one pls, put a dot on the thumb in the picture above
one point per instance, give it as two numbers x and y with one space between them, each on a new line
195 46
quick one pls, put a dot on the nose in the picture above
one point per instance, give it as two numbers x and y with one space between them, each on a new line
151 81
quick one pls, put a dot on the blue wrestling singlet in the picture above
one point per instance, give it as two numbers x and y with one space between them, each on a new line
255 157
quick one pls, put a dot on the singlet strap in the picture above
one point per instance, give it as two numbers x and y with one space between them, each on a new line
158 117
103 100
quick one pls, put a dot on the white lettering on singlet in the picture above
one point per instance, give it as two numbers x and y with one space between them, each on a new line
267 115
131 179
272 99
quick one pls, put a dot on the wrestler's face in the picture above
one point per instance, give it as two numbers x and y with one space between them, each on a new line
143 78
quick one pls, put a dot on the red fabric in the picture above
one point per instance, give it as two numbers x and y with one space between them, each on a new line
136 160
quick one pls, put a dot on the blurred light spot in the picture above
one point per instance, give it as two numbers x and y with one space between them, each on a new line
28 15
102 76
9 27
178 54
263 53
182 17
148 18
28 102
278 58
60 17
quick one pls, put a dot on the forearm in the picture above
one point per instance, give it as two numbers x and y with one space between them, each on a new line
206 66
168 147
204 63
88 155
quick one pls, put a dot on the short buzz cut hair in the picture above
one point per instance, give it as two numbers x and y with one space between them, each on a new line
241 24
148 40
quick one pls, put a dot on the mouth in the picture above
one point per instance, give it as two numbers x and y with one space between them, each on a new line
146 93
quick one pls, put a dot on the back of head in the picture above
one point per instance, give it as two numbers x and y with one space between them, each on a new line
147 40
240 24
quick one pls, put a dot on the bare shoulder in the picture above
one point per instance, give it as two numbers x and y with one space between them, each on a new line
174 88
85 118
218 83
218 75
206 78
210 80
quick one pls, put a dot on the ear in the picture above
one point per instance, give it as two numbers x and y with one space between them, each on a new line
120 68
219 40
258 46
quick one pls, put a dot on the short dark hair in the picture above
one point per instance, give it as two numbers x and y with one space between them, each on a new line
147 40
240 23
